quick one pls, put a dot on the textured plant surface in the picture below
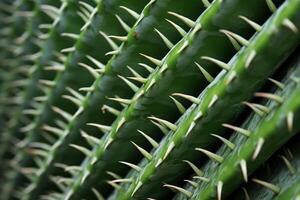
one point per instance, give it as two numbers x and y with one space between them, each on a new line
149 99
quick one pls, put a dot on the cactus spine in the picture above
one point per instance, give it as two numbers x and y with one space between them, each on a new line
111 99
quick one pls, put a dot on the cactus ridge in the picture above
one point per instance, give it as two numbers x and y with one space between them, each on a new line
264 184
30 97
148 99
157 160
96 83
24 111
123 122
12 34
56 145
258 135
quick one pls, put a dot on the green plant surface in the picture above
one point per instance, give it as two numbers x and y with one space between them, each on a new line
183 149
278 178
124 128
79 43
15 76
15 15
252 126
131 48
53 43
128 99
274 131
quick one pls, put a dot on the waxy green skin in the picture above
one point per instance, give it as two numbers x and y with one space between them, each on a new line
293 192
230 96
92 100
31 90
151 99
135 113
276 172
276 122
12 72
89 105
52 44
256 124
137 42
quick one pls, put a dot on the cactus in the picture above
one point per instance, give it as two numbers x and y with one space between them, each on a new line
106 108
287 161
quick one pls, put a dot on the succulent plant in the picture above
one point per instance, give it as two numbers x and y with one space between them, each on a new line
137 99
